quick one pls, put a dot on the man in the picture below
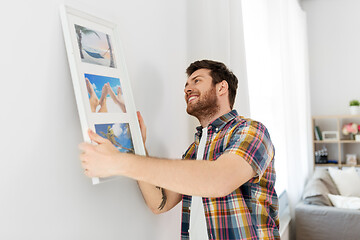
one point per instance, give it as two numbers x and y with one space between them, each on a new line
228 192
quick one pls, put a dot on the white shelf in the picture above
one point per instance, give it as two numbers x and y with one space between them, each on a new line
337 148
336 141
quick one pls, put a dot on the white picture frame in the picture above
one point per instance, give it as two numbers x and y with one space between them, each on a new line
100 80
351 159
330 135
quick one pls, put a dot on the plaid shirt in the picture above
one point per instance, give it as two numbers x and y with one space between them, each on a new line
251 211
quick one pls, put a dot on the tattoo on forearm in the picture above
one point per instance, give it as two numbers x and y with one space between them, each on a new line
163 202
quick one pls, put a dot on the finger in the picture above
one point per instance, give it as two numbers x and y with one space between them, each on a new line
95 137
139 116
84 165
142 126
141 119
87 173
90 173
84 147
88 85
83 158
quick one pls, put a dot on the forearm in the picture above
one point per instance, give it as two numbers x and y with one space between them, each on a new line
201 178
191 177
155 197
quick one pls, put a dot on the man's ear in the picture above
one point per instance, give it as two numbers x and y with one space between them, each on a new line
223 87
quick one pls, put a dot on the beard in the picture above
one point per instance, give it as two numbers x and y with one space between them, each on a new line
206 106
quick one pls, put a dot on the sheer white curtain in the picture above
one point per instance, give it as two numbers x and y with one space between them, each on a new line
272 76
215 31
276 58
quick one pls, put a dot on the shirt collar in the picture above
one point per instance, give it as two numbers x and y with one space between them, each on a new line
219 122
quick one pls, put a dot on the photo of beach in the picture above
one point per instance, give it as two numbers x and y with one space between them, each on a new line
118 134
105 94
95 47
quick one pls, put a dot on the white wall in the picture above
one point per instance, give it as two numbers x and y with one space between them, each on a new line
334 54
44 194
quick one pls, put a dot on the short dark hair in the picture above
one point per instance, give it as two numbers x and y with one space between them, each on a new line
219 72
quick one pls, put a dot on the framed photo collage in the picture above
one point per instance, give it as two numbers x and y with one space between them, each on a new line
101 83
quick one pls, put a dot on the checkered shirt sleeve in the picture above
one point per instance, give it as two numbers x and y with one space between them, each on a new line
252 143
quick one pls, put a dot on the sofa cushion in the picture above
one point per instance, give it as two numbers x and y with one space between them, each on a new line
347 181
345 202
324 176
316 193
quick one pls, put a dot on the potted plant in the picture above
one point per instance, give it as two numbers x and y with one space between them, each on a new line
354 107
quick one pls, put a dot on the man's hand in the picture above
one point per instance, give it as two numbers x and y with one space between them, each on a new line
142 126
99 160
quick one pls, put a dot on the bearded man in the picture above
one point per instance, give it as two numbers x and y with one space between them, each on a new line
226 177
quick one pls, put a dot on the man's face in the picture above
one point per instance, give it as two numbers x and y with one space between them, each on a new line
200 94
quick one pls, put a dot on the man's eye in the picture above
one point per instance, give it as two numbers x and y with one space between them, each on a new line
196 81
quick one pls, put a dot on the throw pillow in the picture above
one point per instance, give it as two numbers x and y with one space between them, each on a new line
347 181
315 193
324 176
345 202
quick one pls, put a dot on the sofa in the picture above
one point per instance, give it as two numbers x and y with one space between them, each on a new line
317 219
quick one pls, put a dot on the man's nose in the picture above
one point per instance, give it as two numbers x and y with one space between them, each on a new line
187 89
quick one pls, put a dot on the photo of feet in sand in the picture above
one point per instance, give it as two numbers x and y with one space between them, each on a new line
95 47
105 94
118 134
